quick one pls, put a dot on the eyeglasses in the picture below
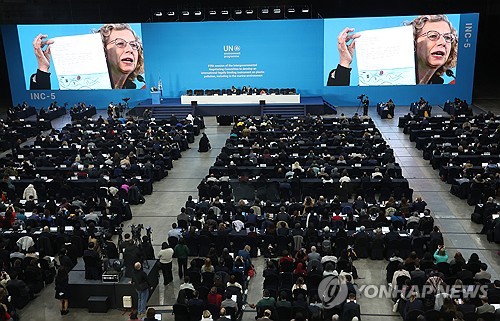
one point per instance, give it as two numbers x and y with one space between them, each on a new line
121 43
433 35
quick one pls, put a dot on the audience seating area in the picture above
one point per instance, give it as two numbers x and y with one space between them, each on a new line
265 191
254 202
13 132
74 186
465 151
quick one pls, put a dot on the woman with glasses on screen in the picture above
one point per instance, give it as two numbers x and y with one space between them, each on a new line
436 46
123 50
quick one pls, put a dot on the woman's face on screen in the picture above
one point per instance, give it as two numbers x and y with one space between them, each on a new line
122 60
433 53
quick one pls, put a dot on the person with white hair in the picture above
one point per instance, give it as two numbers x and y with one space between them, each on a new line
30 191
142 287
314 255
376 173
296 166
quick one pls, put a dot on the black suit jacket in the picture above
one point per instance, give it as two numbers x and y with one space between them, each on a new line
339 77
350 310
40 80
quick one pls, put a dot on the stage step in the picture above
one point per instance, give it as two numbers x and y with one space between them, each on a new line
284 111
165 112
327 104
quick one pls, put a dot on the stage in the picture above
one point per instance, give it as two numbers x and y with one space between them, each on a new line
240 99
313 105
81 289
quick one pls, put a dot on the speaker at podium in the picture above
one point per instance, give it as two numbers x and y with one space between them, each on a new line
155 97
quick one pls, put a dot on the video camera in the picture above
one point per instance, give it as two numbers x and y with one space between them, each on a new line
136 231
360 97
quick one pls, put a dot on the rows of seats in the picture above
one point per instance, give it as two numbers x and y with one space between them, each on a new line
80 224
463 149
398 230
268 226
13 132
87 152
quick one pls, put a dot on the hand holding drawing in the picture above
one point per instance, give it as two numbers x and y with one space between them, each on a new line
42 56
346 50
428 46
110 57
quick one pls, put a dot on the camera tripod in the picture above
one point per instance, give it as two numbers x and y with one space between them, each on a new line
361 101
359 105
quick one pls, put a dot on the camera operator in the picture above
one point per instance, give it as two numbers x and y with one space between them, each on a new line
95 263
110 247
126 242
131 254
147 248
366 103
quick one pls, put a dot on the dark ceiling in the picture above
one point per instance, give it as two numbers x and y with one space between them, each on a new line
91 11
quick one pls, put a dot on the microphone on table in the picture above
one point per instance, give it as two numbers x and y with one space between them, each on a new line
450 73
140 78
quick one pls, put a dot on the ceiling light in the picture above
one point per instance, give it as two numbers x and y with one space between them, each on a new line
238 11
291 10
212 12
265 11
305 10
185 13
158 13
170 13
249 11
197 13
224 12
277 10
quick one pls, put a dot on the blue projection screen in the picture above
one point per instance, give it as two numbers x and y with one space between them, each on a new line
262 54
79 58
390 45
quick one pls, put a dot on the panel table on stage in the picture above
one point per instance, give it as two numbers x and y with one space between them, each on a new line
51 115
25 113
240 99
89 112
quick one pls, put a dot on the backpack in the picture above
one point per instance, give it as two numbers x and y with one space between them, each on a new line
476 218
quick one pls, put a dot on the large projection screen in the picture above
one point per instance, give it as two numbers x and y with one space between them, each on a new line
298 54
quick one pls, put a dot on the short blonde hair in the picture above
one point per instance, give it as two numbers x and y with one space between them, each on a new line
418 24
105 32
206 314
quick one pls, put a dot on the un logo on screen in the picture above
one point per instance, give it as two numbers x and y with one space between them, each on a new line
231 48
332 291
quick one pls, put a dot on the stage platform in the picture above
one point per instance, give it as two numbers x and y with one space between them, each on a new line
313 105
81 289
